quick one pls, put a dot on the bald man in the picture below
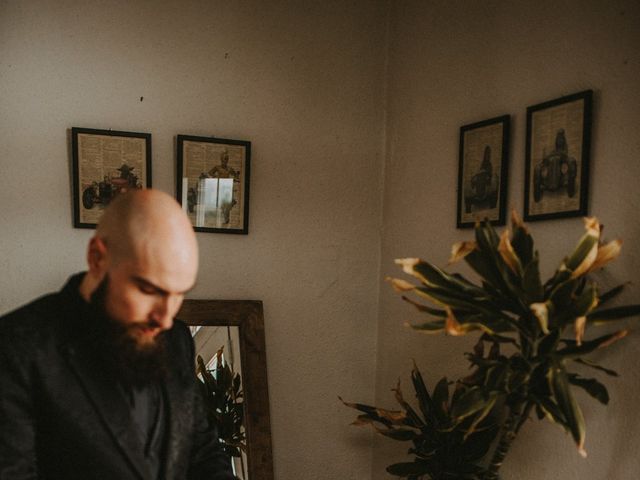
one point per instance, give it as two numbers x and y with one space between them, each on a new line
97 381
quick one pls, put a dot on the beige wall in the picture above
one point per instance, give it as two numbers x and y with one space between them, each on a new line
306 83
456 62
303 82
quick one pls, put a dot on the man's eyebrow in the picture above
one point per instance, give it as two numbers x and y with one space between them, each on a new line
146 283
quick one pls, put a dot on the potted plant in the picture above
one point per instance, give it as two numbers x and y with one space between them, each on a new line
531 332
444 448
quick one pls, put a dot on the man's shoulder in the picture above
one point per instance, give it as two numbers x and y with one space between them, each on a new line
42 312
31 321
40 308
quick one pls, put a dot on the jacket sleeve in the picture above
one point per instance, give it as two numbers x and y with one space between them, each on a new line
207 461
17 422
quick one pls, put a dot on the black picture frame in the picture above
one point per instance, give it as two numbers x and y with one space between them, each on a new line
105 163
557 157
212 183
482 181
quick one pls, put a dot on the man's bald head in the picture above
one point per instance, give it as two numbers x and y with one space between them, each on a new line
142 222
146 248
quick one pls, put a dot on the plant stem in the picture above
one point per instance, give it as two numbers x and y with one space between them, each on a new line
525 416
509 433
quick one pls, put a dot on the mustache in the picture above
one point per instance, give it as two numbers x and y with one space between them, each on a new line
143 324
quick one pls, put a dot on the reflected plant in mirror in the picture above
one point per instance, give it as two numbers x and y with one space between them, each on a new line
224 397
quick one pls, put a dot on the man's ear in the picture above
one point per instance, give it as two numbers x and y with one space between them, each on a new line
97 256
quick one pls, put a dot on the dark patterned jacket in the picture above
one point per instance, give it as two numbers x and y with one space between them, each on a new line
62 417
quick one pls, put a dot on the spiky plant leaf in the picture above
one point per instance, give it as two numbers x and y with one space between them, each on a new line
425 309
594 365
400 434
573 350
408 469
531 285
425 403
441 399
435 326
611 314
521 240
591 386
559 384
472 401
609 295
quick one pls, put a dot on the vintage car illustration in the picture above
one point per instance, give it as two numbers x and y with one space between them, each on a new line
556 171
482 190
106 190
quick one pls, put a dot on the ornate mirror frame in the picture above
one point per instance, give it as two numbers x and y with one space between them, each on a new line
248 316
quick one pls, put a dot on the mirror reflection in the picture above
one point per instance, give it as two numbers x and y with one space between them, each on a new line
219 368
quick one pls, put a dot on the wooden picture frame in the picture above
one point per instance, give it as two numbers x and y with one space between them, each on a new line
483 169
557 157
106 163
248 316
213 183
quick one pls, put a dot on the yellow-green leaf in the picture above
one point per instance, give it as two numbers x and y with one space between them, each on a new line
559 385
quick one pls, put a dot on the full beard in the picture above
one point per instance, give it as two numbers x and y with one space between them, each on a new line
132 363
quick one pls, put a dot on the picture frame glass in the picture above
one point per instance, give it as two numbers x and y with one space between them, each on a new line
213 183
483 172
105 164
556 141
482 153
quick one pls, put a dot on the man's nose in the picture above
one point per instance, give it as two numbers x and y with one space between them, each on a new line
164 311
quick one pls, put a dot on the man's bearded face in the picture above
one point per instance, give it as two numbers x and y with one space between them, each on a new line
136 358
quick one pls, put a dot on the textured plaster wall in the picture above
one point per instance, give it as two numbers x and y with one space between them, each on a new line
456 62
303 82
306 83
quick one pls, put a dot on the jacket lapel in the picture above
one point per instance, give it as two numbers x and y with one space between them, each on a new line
110 404
178 416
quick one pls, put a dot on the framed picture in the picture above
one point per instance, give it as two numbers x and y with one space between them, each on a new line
106 163
557 158
213 183
482 171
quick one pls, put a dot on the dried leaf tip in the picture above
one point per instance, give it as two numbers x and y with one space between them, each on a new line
581 450
618 336
459 250
452 326
541 312
516 221
507 252
579 327
400 285
592 226
606 253
407 264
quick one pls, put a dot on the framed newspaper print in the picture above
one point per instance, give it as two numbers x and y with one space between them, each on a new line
105 164
482 171
213 183
557 157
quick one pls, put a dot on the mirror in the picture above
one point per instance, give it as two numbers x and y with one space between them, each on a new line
238 327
